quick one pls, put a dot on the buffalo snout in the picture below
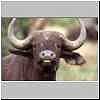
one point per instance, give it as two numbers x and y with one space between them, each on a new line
47 55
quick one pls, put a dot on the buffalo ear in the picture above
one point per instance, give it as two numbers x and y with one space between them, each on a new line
73 58
27 53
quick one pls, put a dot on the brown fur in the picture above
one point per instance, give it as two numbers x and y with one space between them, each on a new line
23 64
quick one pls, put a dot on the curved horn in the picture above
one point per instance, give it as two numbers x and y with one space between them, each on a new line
19 44
72 45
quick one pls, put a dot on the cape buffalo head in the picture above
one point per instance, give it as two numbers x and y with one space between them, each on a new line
45 47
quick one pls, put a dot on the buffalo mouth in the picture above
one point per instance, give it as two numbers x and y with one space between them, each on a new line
48 65
47 62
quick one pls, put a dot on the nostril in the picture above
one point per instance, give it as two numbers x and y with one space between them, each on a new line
43 54
52 54
47 54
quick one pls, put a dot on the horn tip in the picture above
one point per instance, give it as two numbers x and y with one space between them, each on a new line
14 19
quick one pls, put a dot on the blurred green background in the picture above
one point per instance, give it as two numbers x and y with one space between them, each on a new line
85 72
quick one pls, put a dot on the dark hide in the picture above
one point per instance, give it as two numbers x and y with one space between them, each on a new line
18 67
26 64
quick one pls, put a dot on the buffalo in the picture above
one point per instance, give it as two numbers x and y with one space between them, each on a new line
37 56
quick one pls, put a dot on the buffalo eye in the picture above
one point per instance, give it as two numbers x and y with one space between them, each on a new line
34 45
51 54
57 45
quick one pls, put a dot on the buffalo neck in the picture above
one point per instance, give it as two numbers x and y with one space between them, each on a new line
29 69
26 68
42 73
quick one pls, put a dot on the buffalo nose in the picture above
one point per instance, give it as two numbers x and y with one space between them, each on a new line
47 54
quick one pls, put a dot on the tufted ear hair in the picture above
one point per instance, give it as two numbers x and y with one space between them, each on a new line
73 58
27 53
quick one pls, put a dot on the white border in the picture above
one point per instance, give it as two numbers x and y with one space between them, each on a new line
0 51
50 0
98 49
52 81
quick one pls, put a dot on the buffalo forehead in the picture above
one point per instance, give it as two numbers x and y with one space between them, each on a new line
48 35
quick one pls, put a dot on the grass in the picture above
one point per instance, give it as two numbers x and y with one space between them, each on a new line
85 72
76 73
